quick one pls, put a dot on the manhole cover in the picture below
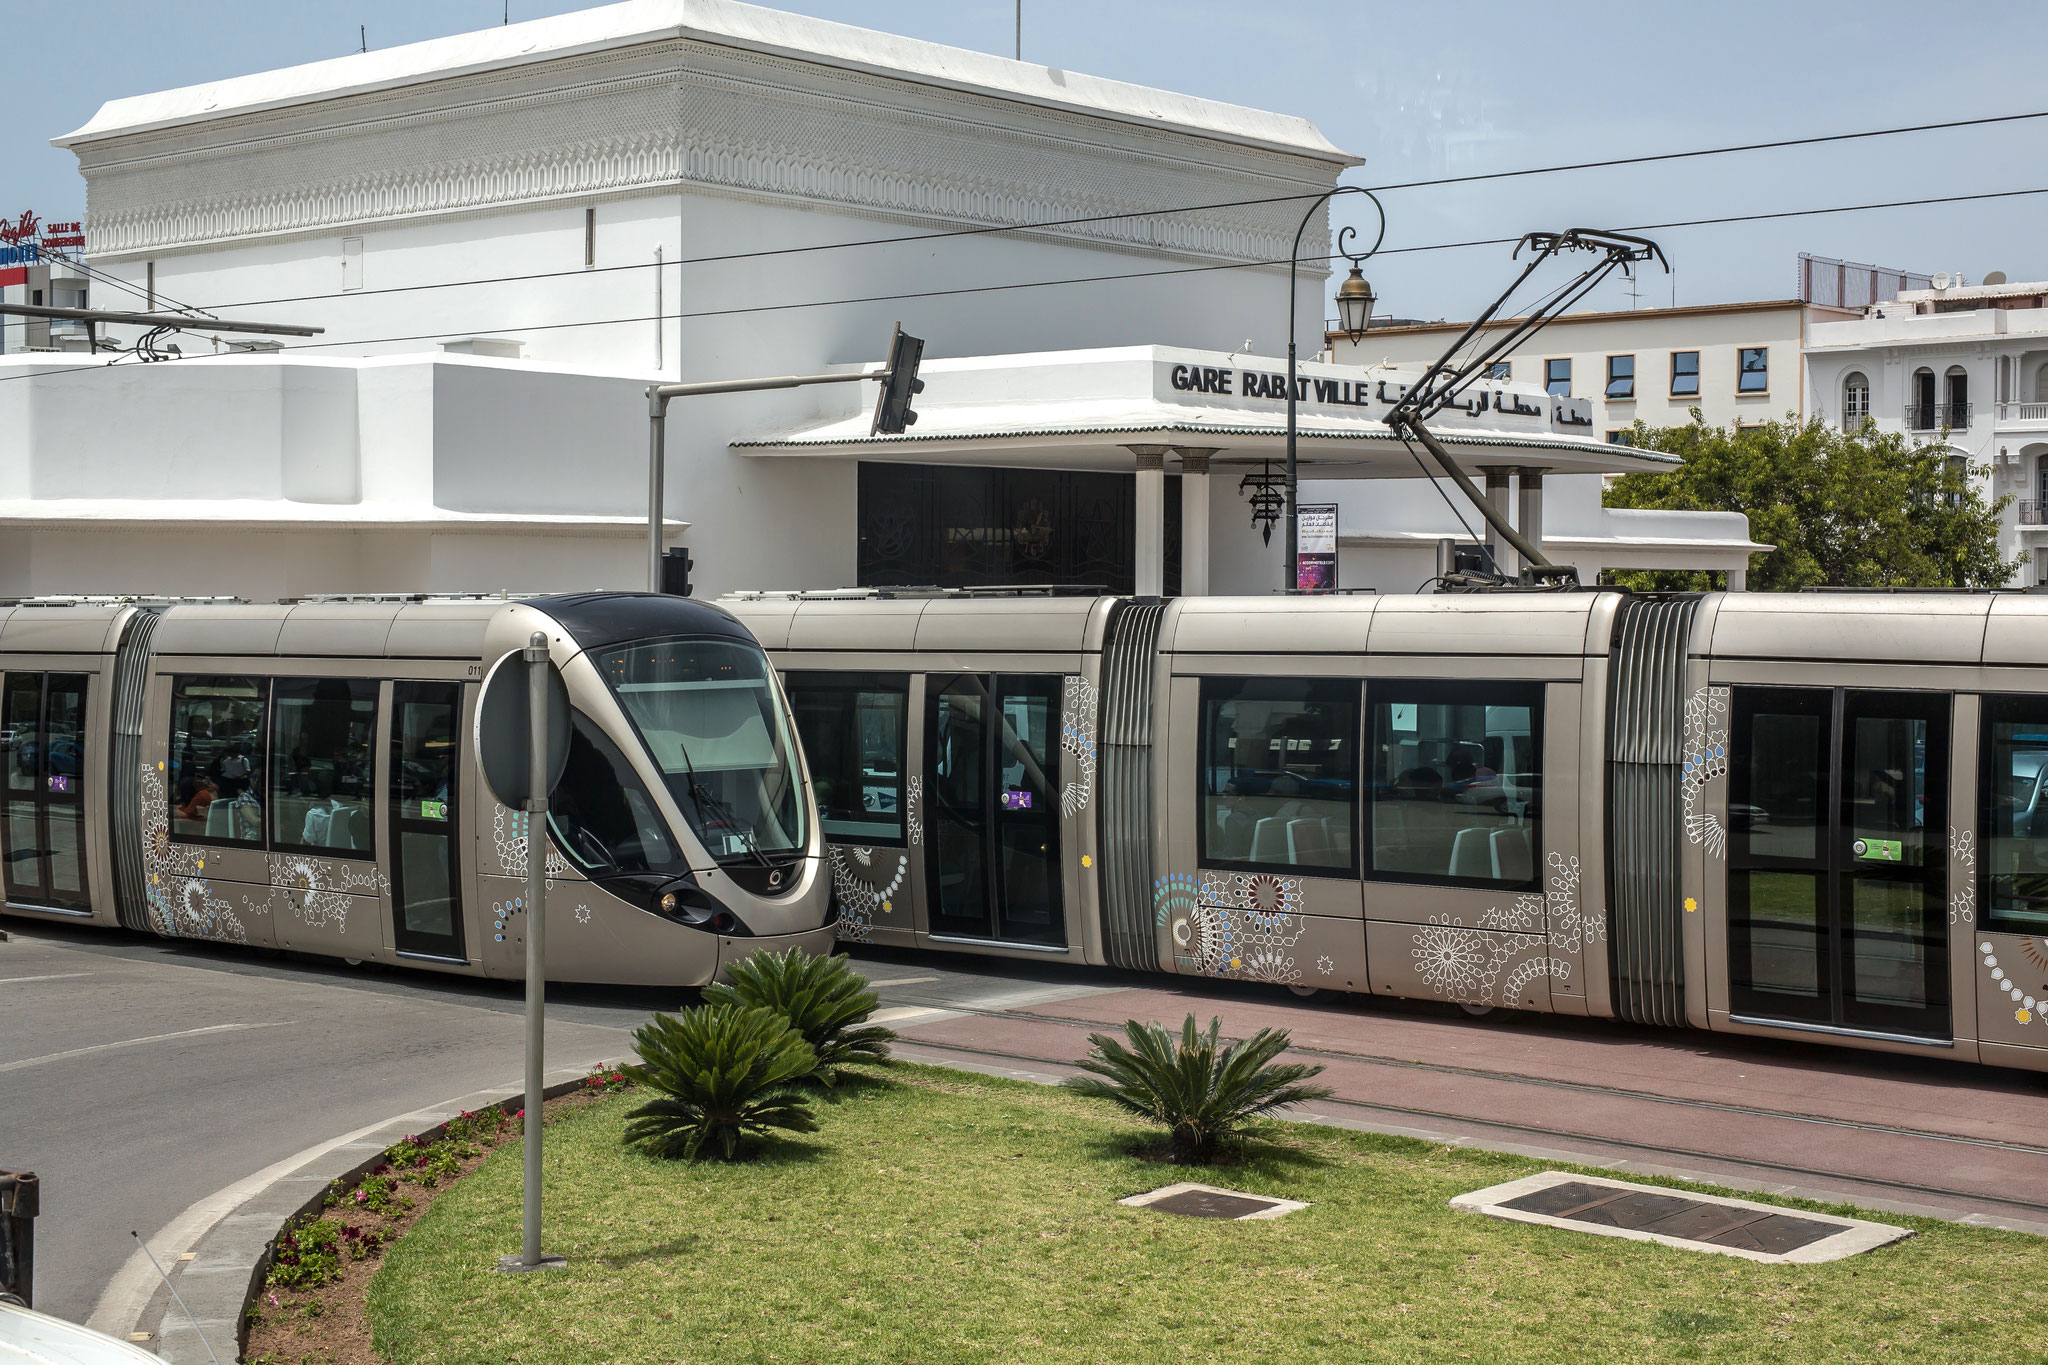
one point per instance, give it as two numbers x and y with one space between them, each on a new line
1206 1201
1698 1222
1202 1204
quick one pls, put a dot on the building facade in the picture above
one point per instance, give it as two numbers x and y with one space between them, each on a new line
506 236
1965 367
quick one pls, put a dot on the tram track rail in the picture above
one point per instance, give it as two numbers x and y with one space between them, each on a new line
2033 1211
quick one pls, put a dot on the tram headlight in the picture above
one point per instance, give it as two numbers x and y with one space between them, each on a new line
668 902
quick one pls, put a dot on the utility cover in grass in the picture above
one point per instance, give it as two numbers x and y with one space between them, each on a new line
1695 1222
1190 1200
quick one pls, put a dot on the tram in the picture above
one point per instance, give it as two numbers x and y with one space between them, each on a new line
302 776
1817 816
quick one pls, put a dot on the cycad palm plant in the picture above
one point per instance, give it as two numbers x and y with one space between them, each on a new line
1201 1089
823 999
721 1073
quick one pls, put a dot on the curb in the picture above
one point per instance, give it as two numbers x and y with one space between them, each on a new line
228 1264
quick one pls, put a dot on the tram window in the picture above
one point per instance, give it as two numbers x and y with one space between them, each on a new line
2014 857
710 716
1457 782
216 770
1279 774
601 814
851 727
323 733
18 711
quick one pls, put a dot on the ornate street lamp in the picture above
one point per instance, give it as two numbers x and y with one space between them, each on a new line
1354 312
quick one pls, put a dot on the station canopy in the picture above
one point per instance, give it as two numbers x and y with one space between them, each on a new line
1087 409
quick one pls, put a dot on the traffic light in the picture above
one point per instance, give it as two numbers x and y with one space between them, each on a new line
892 406
675 571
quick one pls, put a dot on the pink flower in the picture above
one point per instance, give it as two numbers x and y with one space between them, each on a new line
361 1195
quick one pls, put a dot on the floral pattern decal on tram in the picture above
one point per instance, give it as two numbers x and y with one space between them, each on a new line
182 904
508 834
1706 759
1962 852
327 889
2027 1006
1242 927
1466 965
860 893
913 809
1077 737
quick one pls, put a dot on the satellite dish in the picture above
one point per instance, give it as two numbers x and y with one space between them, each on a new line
1995 277
1942 279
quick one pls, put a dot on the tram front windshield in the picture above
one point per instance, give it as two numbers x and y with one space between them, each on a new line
712 718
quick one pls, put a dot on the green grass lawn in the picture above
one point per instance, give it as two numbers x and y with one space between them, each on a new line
945 1217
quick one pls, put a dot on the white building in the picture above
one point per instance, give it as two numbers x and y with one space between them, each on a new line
1967 367
1736 363
507 235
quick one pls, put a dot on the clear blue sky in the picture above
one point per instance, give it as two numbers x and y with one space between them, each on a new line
1419 90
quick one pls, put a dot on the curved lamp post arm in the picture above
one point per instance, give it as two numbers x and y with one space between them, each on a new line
1293 263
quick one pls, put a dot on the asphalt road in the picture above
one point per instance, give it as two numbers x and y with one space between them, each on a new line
140 1075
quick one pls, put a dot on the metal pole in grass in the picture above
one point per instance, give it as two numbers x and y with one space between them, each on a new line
522 763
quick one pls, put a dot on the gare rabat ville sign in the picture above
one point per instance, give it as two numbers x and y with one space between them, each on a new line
1367 392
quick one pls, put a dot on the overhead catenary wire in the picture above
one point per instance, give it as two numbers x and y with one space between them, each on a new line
747 309
1013 286
1090 219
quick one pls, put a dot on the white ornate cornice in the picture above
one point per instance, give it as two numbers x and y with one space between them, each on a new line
684 114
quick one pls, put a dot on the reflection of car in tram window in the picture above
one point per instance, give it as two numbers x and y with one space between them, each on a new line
1742 815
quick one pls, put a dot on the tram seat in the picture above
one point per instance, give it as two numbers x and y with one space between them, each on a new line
1510 850
1308 841
1500 855
359 828
219 823
1269 840
1472 853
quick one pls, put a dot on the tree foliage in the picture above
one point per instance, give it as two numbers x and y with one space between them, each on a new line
1863 509
1198 1088
823 998
721 1074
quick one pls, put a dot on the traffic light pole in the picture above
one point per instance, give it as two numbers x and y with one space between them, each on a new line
658 396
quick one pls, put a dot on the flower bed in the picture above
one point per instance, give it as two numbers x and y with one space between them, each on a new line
310 1310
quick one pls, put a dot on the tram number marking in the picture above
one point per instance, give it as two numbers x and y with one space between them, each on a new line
476 670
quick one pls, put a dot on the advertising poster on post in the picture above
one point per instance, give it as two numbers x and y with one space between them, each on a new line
1316 566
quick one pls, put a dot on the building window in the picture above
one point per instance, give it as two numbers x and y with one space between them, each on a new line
1956 387
2014 790
1279 774
1557 377
216 776
1921 412
351 263
1855 399
964 527
322 765
1618 437
1456 782
1685 374
1621 376
1753 370
851 726
1500 369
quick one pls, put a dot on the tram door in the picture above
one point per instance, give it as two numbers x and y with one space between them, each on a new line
1838 859
992 812
42 834
426 880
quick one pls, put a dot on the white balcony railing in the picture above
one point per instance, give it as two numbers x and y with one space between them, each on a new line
2023 412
